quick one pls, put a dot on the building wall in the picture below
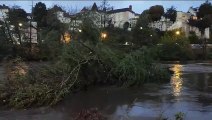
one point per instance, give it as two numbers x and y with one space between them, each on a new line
118 19
163 25
3 14
62 18
33 33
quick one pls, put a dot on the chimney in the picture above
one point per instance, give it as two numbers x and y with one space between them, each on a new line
130 7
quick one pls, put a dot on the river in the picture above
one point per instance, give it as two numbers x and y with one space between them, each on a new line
189 91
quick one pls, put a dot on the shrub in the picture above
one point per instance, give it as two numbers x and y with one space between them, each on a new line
175 48
137 68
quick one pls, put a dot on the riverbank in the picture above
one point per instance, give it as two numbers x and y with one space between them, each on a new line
189 91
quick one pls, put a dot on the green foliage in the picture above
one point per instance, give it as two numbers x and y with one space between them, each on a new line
156 12
175 47
144 19
117 36
136 68
51 46
171 13
204 17
16 16
39 14
193 38
90 32
204 9
179 116
41 86
142 34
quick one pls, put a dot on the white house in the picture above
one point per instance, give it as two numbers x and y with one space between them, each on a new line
3 12
103 18
181 23
63 17
30 30
163 24
121 16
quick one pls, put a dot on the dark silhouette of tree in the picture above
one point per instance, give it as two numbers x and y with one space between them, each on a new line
142 34
204 9
156 12
17 16
204 21
39 14
204 15
53 22
171 14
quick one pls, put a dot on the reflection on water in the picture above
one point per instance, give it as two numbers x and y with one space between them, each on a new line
176 80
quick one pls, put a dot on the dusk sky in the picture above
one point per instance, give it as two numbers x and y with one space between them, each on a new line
138 5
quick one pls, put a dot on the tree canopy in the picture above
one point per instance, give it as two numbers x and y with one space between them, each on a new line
16 16
171 14
39 14
204 15
156 12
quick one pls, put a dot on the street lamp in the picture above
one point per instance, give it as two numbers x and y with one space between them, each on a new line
141 28
177 32
20 24
103 35
80 30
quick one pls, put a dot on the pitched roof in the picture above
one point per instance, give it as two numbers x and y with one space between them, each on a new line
84 9
4 7
121 10
94 7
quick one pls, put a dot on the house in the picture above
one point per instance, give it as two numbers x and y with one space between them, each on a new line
3 12
163 24
103 18
30 30
63 17
121 16
181 23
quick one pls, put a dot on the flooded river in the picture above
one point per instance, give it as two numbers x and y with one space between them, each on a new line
189 91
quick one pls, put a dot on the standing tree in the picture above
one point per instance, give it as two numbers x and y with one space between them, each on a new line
17 17
105 7
142 34
171 13
204 21
204 10
156 12
39 14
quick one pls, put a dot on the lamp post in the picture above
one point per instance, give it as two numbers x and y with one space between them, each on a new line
20 24
177 32
103 35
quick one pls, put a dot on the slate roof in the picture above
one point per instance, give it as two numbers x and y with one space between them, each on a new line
121 10
4 7
94 7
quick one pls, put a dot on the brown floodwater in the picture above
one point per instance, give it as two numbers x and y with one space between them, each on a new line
189 91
